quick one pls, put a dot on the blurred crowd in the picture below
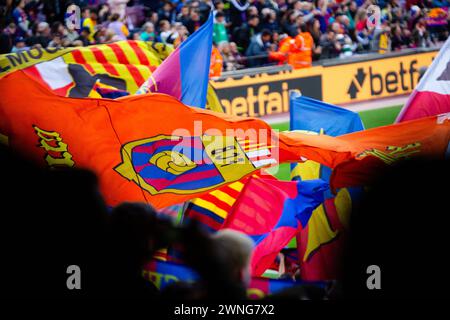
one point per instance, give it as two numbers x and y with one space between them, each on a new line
246 33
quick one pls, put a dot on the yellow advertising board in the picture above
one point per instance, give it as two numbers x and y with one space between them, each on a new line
373 79
266 94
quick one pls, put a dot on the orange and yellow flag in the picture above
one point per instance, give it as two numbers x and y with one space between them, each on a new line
357 158
153 148
148 148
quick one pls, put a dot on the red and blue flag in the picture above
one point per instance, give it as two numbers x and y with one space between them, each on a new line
185 73
272 212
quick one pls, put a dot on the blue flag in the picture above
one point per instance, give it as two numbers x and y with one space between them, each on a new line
316 116
318 245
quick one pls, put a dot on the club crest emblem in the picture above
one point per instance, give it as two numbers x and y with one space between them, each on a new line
392 153
186 165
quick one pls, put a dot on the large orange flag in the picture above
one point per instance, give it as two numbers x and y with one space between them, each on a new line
143 148
373 149
153 148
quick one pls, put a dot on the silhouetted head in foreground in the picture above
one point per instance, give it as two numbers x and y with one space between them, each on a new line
237 247
221 262
50 219
55 218
132 227
399 236
135 233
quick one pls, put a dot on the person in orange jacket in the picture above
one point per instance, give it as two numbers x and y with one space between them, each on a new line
305 44
283 50
296 51
216 65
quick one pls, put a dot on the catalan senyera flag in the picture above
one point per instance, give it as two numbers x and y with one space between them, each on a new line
211 209
153 148
73 72
432 94
117 69
321 243
185 73
272 212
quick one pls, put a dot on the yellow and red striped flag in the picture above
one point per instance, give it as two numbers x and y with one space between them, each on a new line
73 72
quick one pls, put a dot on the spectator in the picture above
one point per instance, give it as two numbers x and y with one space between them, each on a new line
194 21
178 35
20 18
183 16
397 185
42 36
218 7
420 35
58 28
226 253
216 63
84 37
220 31
331 48
118 27
58 240
56 42
237 247
164 30
257 51
351 11
237 12
415 14
148 32
381 38
133 238
90 23
363 39
118 6
71 36
360 19
237 56
269 20
397 40
306 47
243 34
19 45
135 35
313 27
346 45
230 61
167 12
104 12
7 38
289 23
103 35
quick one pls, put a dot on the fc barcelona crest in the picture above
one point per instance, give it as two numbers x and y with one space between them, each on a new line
185 165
